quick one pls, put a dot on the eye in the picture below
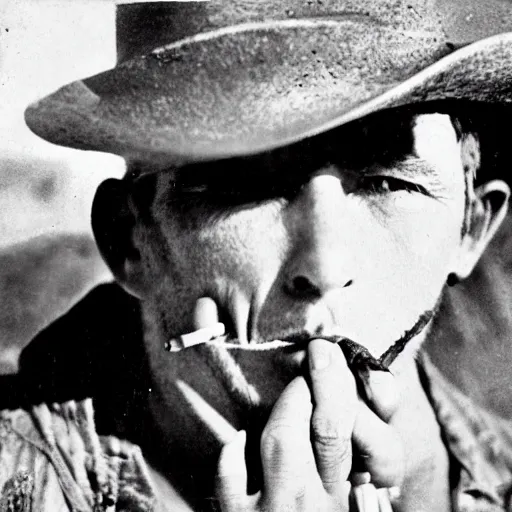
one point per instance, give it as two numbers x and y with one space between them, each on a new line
237 190
387 184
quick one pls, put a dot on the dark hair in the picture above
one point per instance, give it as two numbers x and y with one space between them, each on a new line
489 125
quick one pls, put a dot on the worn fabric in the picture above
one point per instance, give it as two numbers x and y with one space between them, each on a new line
52 459
478 442
61 453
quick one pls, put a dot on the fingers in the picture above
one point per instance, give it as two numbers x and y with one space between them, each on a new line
290 477
205 313
378 443
287 456
335 397
206 325
382 394
380 447
231 481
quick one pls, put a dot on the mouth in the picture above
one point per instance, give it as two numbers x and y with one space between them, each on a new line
358 357
289 350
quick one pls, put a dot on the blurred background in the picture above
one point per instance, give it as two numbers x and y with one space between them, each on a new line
48 258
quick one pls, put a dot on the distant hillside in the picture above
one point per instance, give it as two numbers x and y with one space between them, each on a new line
39 280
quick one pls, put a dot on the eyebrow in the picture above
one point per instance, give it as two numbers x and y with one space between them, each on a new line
411 166
306 157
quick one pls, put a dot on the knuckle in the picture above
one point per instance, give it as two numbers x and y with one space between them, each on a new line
303 500
276 438
327 431
331 443
286 502
388 464
389 472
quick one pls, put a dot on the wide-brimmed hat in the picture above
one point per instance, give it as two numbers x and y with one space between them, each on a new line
214 79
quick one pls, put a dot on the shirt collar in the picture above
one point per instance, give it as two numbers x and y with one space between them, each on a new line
476 441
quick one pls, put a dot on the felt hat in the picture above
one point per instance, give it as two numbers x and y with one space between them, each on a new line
206 80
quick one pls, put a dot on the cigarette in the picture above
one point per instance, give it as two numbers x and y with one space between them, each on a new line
198 337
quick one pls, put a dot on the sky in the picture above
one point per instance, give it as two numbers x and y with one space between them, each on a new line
44 45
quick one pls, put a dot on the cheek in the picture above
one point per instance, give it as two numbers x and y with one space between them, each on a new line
225 254
423 242
408 257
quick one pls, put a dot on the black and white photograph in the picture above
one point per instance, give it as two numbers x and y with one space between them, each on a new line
255 256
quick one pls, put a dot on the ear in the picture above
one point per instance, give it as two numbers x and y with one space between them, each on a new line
113 221
488 205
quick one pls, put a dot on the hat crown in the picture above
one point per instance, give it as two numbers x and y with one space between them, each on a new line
143 26
211 80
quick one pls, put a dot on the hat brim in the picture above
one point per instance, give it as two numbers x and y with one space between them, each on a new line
256 87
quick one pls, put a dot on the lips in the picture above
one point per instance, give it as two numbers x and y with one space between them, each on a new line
291 354
358 357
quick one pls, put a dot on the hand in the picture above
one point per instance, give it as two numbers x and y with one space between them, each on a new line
292 479
306 446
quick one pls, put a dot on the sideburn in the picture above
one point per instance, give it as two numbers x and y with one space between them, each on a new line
470 156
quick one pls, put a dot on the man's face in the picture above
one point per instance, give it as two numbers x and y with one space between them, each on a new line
357 243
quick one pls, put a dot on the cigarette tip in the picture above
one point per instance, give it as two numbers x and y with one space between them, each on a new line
194 338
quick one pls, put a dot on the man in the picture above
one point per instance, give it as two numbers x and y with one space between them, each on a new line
311 175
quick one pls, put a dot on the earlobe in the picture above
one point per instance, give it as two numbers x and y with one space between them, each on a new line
487 210
112 222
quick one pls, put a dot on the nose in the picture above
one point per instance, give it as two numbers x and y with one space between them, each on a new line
320 258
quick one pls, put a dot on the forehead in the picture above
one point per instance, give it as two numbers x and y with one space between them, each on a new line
433 133
380 140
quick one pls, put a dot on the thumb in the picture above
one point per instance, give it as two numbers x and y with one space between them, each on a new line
231 479
382 394
205 313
